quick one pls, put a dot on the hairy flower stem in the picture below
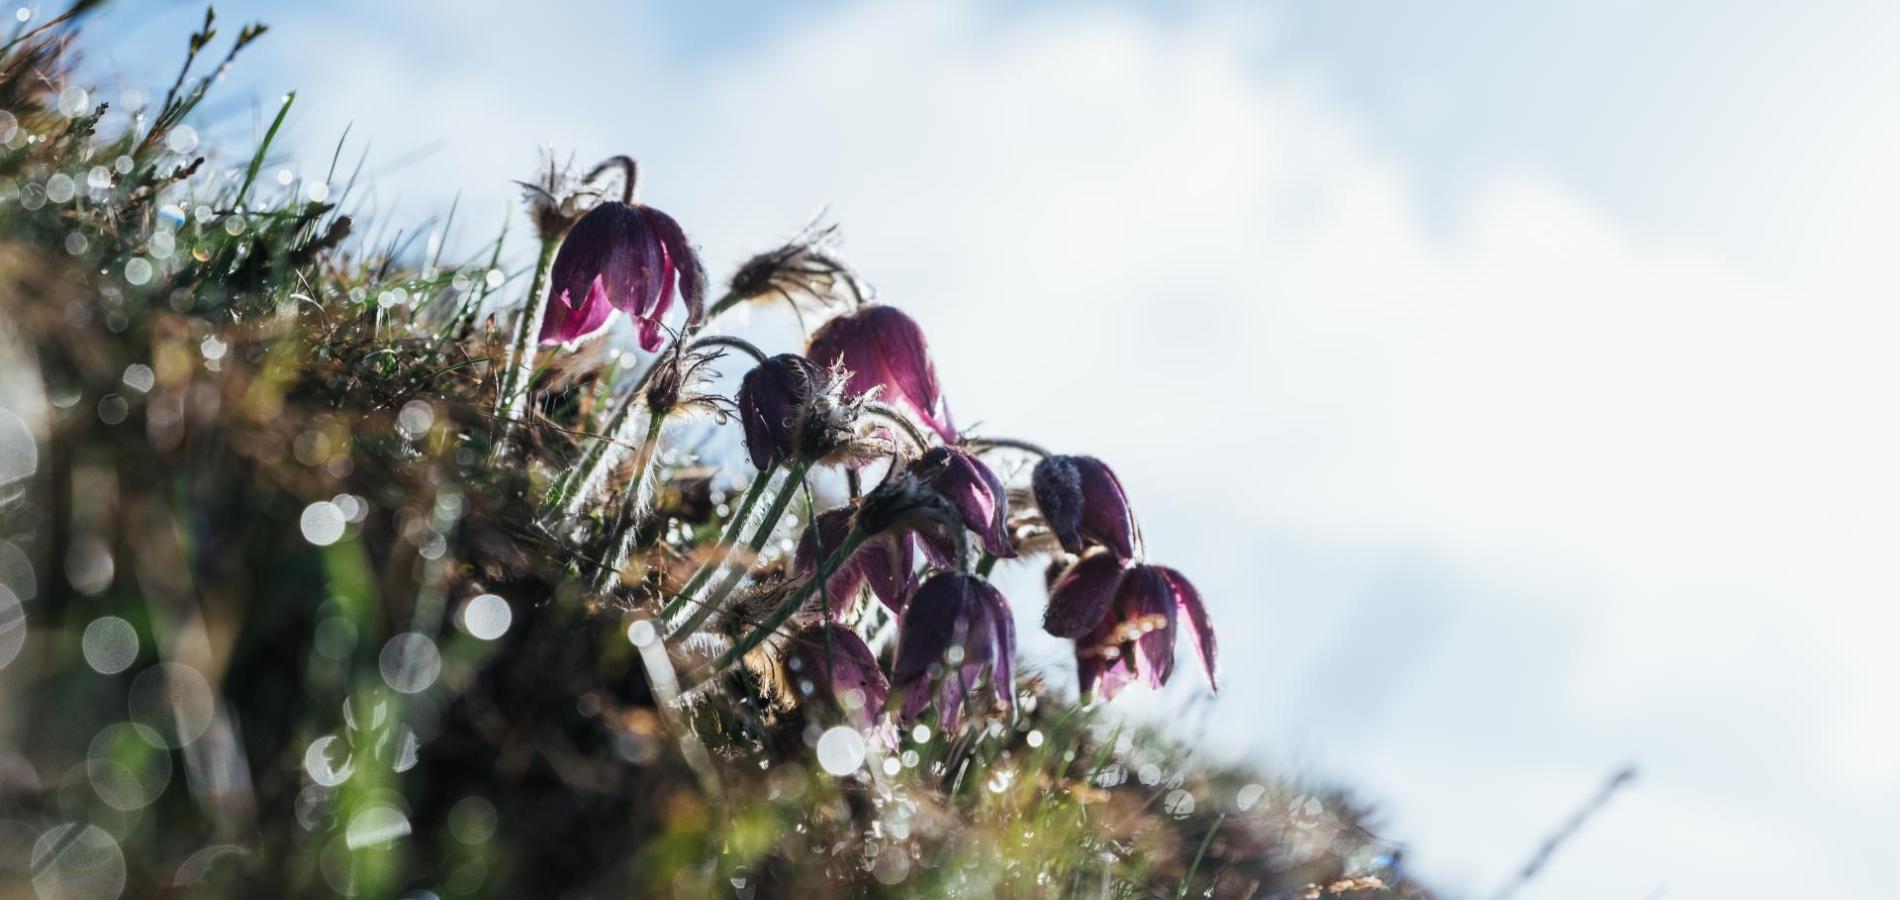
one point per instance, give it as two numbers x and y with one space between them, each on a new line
784 610
990 443
721 550
722 340
572 489
903 423
727 302
519 369
625 526
794 480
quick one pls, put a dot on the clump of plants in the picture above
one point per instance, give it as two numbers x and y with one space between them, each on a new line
333 566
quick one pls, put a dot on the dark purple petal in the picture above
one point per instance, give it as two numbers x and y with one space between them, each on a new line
931 623
1145 609
1082 596
883 562
771 397
1106 517
692 275
1200 628
567 321
1002 641
838 662
882 346
886 563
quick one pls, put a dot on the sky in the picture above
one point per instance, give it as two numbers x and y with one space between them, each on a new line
1513 380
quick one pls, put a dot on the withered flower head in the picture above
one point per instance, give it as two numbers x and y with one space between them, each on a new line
678 382
906 503
556 199
883 562
1134 641
1084 503
883 349
961 626
804 272
627 256
792 409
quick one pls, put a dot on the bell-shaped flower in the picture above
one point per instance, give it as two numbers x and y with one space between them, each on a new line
1134 641
883 347
957 627
883 562
625 256
831 662
772 400
1084 503
792 409
977 494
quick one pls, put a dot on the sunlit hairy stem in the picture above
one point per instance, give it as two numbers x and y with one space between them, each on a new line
519 370
727 302
785 610
569 491
626 523
721 550
993 443
902 421
794 480
722 340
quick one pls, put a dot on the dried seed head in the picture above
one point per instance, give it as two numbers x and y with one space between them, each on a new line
804 272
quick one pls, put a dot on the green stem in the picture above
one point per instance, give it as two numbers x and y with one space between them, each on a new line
722 549
1198 856
784 610
793 480
625 533
984 566
527 337
725 303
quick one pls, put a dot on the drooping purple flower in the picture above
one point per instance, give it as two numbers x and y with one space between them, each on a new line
625 256
772 400
1083 502
883 347
1134 641
961 625
883 562
1081 598
832 662
978 495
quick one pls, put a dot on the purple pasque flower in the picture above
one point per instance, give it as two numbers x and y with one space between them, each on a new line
625 256
957 627
832 662
1134 641
977 494
883 348
883 562
1084 503
772 399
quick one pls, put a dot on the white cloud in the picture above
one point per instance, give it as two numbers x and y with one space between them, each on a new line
1483 510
